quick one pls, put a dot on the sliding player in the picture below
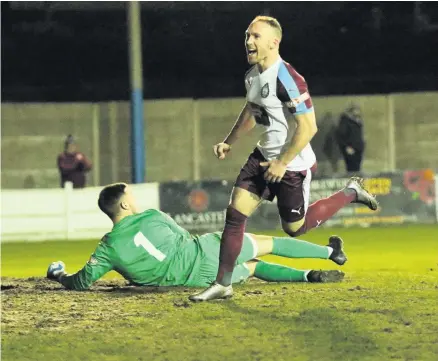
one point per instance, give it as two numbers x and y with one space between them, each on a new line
150 248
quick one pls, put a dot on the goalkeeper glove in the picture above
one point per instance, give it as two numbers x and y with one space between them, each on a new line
56 270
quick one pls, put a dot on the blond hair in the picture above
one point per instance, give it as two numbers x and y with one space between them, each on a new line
272 22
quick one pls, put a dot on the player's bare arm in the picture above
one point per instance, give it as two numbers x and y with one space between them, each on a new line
305 131
245 122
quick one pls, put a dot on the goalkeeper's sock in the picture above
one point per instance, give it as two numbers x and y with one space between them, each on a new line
294 248
272 272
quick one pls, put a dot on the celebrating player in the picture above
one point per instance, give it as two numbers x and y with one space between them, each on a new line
150 248
279 102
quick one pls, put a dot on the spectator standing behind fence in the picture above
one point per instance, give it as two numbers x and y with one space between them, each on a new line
72 164
350 138
330 146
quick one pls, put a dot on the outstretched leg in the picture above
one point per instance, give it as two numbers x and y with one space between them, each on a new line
324 209
272 272
295 248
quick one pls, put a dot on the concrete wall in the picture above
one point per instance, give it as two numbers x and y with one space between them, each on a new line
32 136
416 130
401 132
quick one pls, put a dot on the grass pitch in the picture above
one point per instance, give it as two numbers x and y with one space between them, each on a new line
386 309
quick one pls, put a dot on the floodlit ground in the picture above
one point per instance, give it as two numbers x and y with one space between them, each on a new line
386 308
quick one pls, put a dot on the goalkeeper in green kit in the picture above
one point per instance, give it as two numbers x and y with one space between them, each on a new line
151 249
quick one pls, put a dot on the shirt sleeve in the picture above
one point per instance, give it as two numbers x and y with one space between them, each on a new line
98 265
292 90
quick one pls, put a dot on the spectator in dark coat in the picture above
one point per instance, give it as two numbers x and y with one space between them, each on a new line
72 164
351 139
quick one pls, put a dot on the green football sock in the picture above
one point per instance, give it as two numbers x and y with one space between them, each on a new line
271 272
294 248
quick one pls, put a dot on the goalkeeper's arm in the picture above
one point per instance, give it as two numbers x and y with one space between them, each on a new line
83 279
97 266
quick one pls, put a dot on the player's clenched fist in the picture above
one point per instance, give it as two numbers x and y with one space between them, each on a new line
56 270
221 150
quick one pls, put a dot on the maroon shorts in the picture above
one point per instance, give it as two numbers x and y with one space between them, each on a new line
292 192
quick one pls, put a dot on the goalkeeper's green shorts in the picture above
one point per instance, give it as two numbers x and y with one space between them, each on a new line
210 244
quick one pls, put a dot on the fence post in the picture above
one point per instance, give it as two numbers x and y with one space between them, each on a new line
392 160
96 146
114 146
196 141
68 192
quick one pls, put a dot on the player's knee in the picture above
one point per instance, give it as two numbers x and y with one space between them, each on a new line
294 229
290 232
294 233
244 201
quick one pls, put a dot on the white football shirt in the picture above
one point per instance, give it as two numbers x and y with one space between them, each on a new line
274 96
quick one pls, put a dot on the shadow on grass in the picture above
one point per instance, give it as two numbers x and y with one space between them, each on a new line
321 332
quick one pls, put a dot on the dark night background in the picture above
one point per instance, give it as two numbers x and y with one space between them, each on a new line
53 52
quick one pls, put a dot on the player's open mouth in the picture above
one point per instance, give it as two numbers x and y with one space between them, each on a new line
251 52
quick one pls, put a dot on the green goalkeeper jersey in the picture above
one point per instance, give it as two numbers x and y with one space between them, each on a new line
148 248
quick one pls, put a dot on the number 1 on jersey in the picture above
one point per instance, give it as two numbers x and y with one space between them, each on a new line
141 240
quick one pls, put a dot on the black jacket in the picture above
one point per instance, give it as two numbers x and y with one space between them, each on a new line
350 133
